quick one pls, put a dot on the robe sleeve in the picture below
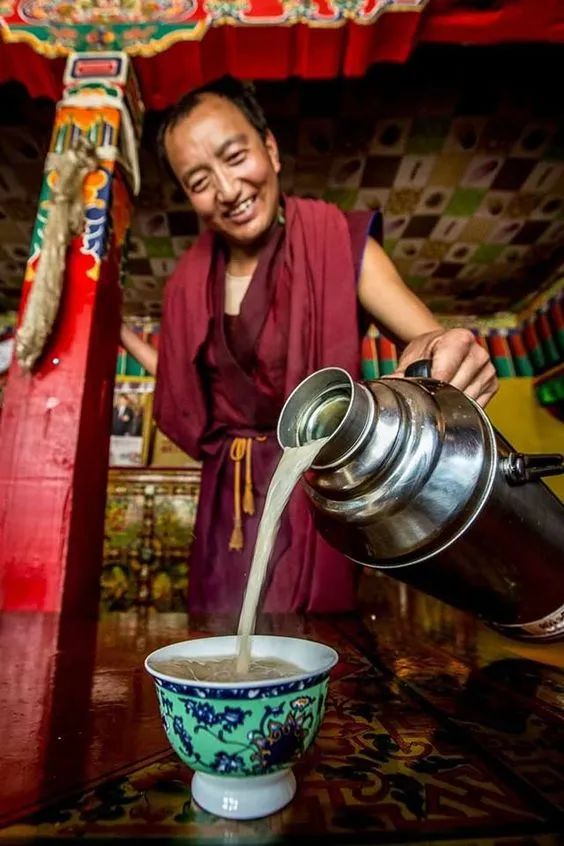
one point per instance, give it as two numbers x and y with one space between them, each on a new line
180 406
363 224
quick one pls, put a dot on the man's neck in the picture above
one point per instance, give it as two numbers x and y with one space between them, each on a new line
242 259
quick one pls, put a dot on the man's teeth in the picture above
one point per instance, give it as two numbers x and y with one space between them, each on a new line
241 207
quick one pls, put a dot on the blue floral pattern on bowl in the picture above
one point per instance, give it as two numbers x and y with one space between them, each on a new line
228 736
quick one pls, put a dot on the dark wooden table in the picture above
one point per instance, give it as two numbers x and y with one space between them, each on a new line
437 731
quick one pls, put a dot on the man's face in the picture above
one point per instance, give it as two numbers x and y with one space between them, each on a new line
228 172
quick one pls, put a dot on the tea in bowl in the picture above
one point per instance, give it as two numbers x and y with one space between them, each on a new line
242 736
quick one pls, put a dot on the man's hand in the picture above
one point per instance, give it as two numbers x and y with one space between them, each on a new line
456 357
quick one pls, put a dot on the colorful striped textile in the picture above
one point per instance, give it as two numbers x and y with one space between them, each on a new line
378 355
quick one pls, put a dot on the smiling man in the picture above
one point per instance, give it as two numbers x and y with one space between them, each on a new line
268 294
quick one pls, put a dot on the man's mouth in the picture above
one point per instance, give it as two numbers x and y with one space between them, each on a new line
242 209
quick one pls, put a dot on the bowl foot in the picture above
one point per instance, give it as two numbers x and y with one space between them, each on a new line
244 798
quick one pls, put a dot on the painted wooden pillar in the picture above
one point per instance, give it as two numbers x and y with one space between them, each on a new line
55 424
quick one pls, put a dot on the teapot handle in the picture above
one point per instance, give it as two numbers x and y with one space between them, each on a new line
520 468
419 369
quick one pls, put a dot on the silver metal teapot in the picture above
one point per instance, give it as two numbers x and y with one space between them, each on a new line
414 480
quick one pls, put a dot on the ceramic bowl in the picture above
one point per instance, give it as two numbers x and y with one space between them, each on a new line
242 738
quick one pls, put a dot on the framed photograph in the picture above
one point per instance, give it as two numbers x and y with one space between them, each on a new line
131 422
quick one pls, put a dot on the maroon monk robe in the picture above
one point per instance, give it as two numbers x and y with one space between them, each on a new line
223 378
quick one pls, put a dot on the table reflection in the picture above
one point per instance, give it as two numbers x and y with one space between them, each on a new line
437 730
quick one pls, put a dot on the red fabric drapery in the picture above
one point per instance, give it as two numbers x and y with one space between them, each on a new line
275 53
247 52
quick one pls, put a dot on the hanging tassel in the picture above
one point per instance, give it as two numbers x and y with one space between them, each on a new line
248 497
236 543
237 453
65 220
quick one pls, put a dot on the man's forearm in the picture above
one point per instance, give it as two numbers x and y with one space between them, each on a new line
143 352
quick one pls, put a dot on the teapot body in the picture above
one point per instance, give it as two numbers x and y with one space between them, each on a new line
415 481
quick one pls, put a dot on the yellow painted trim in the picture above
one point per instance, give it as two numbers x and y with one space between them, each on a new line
148 50
122 377
541 299
498 320
94 272
44 48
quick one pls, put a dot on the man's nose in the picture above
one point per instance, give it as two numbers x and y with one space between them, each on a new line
227 187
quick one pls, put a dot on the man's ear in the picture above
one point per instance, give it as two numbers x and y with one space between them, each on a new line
272 149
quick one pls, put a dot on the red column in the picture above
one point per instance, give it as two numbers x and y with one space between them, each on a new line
55 424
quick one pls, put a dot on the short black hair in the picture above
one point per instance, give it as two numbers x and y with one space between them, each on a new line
241 94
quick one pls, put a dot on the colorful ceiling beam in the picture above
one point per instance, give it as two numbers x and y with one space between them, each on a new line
146 27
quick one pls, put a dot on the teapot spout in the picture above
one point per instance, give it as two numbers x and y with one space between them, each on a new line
327 404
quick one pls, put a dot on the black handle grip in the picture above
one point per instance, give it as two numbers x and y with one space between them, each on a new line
520 468
420 369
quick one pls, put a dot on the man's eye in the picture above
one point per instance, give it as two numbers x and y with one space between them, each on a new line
237 158
198 186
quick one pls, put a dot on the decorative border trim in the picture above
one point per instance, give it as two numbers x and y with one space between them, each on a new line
251 693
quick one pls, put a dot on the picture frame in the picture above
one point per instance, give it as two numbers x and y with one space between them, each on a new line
132 421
